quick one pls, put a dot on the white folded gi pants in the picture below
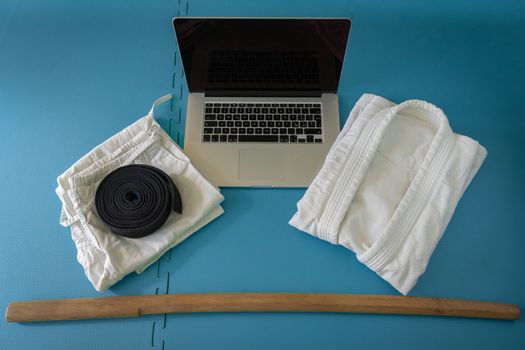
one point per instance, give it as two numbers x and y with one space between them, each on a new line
105 256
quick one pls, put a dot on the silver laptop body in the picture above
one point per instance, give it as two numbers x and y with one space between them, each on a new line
262 109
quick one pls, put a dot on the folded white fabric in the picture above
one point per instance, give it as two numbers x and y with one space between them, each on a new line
107 257
389 186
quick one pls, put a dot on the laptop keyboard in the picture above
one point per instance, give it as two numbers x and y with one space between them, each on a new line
262 122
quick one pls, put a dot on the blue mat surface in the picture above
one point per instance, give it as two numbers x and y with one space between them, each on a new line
74 73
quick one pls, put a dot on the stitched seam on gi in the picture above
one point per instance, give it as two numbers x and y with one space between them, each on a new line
347 183
333 200
418 195
319 191
421 196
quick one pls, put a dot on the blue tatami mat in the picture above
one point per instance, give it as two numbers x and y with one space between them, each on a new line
73 74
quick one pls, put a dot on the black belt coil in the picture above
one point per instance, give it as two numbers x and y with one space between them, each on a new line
135 200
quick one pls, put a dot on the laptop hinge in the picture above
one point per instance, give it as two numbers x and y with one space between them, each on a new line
260 93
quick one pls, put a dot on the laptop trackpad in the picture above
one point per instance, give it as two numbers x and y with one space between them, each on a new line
261 164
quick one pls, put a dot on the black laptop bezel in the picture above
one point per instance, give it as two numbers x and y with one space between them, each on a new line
241 89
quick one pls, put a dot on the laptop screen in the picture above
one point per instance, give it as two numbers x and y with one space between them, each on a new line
266 56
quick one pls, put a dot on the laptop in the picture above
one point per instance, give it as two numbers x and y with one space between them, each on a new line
262 109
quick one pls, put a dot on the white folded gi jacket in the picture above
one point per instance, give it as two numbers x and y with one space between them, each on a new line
389 186
107 257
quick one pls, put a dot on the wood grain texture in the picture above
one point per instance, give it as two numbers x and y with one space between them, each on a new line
133 306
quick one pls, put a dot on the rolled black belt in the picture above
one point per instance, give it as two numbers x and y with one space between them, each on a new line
135 200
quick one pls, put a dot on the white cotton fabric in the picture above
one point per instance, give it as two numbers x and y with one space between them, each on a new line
389 186
107 257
